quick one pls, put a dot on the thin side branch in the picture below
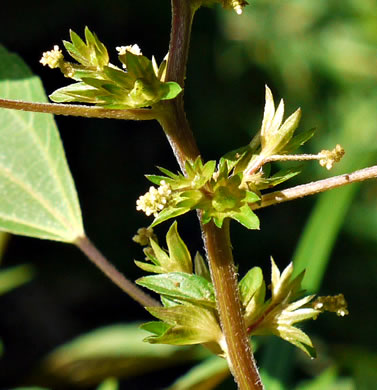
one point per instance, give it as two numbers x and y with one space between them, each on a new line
113 274
79 110
315 187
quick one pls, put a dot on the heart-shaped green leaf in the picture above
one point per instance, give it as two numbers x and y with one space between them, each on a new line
37 194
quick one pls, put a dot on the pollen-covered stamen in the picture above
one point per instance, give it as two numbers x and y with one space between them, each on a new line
330 157
238 5
155 200
133 49
52 58
336 304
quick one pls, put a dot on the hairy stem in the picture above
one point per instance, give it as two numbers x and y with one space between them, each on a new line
315 187
79 110
113 274
224 277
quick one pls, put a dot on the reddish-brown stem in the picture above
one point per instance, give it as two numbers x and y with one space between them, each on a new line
174 120
178 131
224 277
79 110
315 187
113 274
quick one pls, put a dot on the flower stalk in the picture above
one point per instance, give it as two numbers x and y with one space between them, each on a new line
94 255
315 187
80 110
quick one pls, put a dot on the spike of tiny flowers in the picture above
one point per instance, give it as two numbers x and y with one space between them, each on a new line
52 58
280 312
330 157
155 200
237 5
335 304
134 49
143 236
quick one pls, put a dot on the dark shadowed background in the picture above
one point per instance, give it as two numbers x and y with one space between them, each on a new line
320 55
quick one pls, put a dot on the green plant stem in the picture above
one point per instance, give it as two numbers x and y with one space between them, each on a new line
113 274
224 277
217 242
79 110
315 187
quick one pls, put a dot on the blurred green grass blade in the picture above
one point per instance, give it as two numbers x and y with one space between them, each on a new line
361 362
108 384
113 351
327 380
204 376
321 231
317 241
277 355
14 277
37 193
362 221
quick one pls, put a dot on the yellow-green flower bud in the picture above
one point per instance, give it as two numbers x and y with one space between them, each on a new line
143 236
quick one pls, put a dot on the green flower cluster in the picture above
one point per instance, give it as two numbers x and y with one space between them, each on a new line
217 195
189 316
139 84
228 189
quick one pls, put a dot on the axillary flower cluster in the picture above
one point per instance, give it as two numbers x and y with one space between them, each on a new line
155 200
138 83
188 315
226 189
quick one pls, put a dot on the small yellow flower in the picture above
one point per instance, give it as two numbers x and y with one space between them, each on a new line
155 200
133 49
52 58
330 157
238 6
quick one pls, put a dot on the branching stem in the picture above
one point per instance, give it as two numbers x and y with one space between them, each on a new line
315 187
113 274
224 277
217 242
79 110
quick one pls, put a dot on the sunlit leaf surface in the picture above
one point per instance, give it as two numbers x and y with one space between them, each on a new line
37 193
